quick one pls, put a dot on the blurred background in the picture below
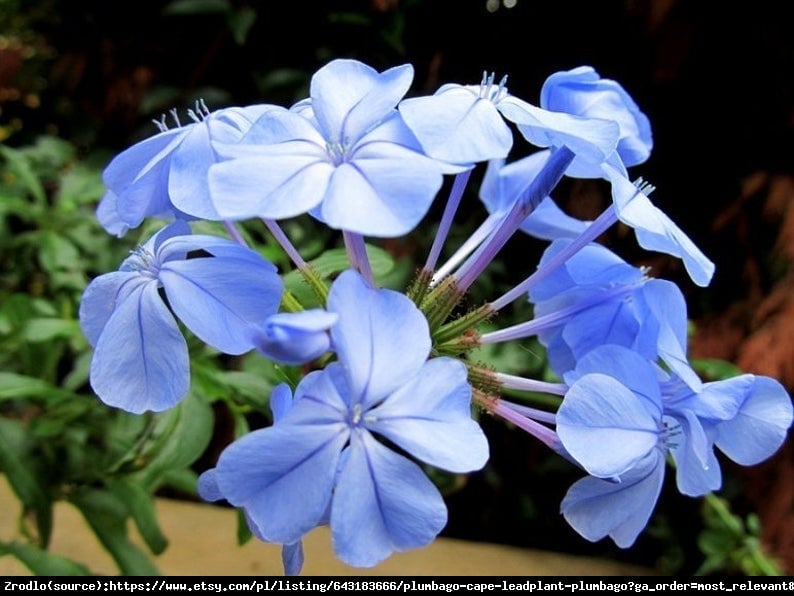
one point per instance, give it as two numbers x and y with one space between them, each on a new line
81 80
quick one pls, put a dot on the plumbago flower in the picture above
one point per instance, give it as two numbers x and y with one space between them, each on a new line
344 155
620 418
163 176
322 460
140 359
382 381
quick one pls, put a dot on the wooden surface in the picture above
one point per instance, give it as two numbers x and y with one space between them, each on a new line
202 542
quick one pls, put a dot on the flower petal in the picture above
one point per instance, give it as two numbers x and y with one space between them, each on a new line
349 97
382 503
598 508
606 427
293 181
761 425
295 338
101 298
654 230
382 196
381 338
591 139
458 126
141 362
222 314
430 417
282 476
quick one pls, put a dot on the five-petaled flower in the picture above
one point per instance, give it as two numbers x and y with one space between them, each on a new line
140 359
325 460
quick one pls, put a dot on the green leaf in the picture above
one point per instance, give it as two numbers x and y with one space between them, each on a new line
15 386
107 516
715 369
19 468
240 22
80 185
42 562
20 165
48 328
180 437
57 252
332 262
141 505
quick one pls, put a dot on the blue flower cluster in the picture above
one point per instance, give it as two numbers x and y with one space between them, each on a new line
389 388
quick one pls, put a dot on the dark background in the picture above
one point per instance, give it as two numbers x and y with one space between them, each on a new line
714 78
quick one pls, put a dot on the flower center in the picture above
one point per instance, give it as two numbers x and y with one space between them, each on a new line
201 113
143 262
491 92
337 151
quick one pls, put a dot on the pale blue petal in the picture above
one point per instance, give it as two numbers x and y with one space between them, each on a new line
458 126
222 314
392 137
148 257
177 247
139 177
207 486
326 398
430 418
668 308
293 181
292 558
108 216
610 322
135 163
593 265
591 139
295 338
275 126
598 508
282 476
548 222
582 92
381 195
280 401
187 180
381 338
628 367
349 97
654 230
761 425
101 298
697 469
382 503
140 362
605 427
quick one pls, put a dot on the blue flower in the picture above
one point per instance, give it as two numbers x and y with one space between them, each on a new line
323 461
620 418
654 230
463 124
140 359
597 298
503 184
165 175
296 338
582 92
345 155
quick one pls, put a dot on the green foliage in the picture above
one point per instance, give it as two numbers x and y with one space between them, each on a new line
731 544
57 441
